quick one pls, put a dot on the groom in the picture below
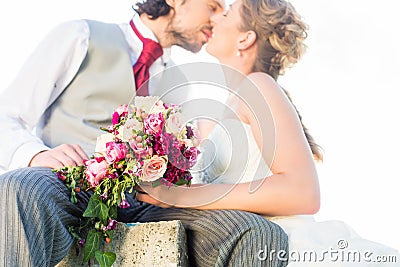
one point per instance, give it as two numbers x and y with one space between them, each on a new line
67 90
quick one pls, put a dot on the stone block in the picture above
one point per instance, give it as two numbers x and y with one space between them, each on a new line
144 244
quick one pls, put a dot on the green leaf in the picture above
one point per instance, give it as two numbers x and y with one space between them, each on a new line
104 129
181 182
72 231
110 234
73 197
103 211
91 208
113 212
106 259
96 208
73 194
92 244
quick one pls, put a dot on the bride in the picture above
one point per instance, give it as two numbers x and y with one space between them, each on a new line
259 157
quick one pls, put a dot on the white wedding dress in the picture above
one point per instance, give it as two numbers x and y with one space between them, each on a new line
230 158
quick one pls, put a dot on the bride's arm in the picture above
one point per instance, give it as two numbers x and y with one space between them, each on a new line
292 189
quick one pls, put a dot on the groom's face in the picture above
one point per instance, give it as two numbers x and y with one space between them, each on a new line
191 25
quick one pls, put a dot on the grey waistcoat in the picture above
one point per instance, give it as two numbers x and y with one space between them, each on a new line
104 81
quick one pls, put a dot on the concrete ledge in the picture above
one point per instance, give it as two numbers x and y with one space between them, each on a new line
145 244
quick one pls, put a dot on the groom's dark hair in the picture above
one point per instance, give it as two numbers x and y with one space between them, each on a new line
153 8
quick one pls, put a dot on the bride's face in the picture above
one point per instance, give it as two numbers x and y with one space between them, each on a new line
223 43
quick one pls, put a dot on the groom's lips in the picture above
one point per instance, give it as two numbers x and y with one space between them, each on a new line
208 33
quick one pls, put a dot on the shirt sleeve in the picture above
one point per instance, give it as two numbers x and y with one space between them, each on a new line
43 77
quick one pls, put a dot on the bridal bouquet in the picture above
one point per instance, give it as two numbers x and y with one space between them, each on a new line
147 141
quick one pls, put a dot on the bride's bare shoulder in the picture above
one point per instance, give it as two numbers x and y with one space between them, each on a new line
260 75
262 80
264 84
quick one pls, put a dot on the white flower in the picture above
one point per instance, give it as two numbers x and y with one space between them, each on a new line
174 124
150 104
102 140
125 132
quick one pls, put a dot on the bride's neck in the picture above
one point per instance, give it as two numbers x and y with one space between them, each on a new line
236 70
233 77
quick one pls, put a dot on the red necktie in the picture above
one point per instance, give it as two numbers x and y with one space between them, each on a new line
150 53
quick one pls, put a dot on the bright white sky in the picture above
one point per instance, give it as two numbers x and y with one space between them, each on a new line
346 88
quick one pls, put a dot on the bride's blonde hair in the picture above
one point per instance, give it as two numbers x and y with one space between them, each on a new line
280 34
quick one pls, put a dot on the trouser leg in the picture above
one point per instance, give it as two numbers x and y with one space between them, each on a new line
35 212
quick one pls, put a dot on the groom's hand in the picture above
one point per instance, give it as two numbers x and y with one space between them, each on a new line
60 156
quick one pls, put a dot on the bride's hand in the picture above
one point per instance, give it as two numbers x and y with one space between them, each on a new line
152 195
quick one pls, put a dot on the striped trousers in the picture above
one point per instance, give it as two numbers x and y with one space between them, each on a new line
35 213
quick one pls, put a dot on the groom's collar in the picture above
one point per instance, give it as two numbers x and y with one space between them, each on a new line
147 33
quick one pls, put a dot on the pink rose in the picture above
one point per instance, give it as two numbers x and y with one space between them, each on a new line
115 152
154 168
119 112
140 150
154 123
191 155
96 170
122 109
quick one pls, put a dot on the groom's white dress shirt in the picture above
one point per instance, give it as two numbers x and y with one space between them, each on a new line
43 77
